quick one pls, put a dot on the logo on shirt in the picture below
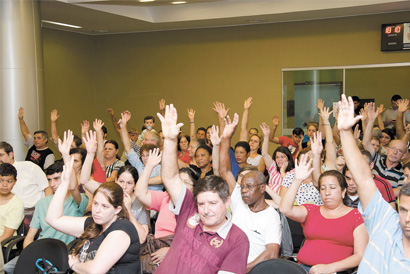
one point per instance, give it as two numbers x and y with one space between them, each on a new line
215 242
193 221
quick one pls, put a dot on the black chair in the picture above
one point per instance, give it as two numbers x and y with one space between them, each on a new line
52 250
277 266
12 246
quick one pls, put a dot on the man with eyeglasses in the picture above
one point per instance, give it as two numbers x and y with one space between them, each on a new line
389 166
251 213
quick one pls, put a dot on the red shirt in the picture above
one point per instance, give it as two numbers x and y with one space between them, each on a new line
288 142
385 188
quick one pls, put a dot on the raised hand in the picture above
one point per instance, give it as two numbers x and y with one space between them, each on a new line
90 142
381 109
320 104
21 113
275 120
340 163
325 114
85 126
230 126
67 170
162 105
154 157
54 115
346 119
110 111
215 138
363 112
65 146
403 105
220 109
356 132
127 115
170 128
303 168
371 112
191 114
98 124
316 143
265 129
248 103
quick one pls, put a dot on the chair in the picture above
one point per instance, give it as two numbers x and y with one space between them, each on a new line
12 246
277 266
52 250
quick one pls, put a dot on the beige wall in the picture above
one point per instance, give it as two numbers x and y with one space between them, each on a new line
84 75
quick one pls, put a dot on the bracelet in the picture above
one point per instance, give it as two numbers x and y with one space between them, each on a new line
73 265
326 124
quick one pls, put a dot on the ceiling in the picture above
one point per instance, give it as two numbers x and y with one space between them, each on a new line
122 16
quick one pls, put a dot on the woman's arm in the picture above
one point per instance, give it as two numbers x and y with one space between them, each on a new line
98 124
54 134
317 147
141 187
73 226
360 242
380 117
330 160
90 142
222 113
110 251
268 161
141 229
244 125
191 116
215 140
367 134
287 207
275 197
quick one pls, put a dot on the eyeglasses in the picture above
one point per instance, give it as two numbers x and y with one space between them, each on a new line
400 151
250 187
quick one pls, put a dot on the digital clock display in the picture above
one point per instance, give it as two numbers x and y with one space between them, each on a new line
395 37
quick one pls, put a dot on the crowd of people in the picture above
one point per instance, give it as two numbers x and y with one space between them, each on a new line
177 202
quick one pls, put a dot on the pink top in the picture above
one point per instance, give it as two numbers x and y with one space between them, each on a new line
184 157
166 222
98 172
327 240
275 178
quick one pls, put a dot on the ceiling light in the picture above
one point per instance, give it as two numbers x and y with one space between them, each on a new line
143 1
61 24
178 2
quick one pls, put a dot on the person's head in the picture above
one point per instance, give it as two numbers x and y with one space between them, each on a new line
356 102
8 178
312 127
351 184
282 155
189 177
394 100
404 210
243 171
183 142
253 187
208 133
79 155
255 143
151 137
127 178
53 174
145 149
242 150
332 187
193 145
203 156
387 136
6 153
396 151
77 142
104 131
406 170
253 131
149 122
375 142
297 135
201 133
212 198
40 139
110 149
133 133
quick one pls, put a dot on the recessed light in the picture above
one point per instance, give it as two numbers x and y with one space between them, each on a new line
61 24
178 2
143 1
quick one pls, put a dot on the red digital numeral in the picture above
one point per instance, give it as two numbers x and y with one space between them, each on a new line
388 30
397 29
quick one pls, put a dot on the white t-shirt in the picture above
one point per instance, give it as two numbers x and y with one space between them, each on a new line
31 182
262 227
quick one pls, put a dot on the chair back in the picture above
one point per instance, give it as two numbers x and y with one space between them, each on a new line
277 266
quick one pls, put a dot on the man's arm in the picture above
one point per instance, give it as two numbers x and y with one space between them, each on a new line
355 162
275 124
162 107
169 168
90 142
367 135
330 160
23 127
124 134
114 121
30 237
222 113
317 147
191 116
244 125
215 140
403 106
271 252
98 124
380 118
54 134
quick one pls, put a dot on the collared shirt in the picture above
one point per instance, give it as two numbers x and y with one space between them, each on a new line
384 252
394 175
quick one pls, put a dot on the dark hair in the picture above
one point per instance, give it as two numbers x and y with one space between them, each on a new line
212 183
206 147
57 167
80 151
77 141
286 151
406 166
257 131
8 170
395 97
114 195
193 175
180 136
104 129
146 118
6 146
131 170
355 99
389 132
201 142
339 177
260 142
303 151
243 144
43 133
201 128
405 190
368 156
298 131
112 142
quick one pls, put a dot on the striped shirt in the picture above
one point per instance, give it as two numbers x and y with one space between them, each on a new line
394 175
275 178
384 252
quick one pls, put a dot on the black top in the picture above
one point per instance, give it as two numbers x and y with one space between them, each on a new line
198 170
130 261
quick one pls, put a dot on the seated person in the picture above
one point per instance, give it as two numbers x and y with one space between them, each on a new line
38 152
112 163
108 240
203 158
11 207
335 234
406 170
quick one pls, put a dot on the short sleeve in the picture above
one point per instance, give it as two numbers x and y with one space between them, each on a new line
15 214
30 141
156 199
35 221
288 180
